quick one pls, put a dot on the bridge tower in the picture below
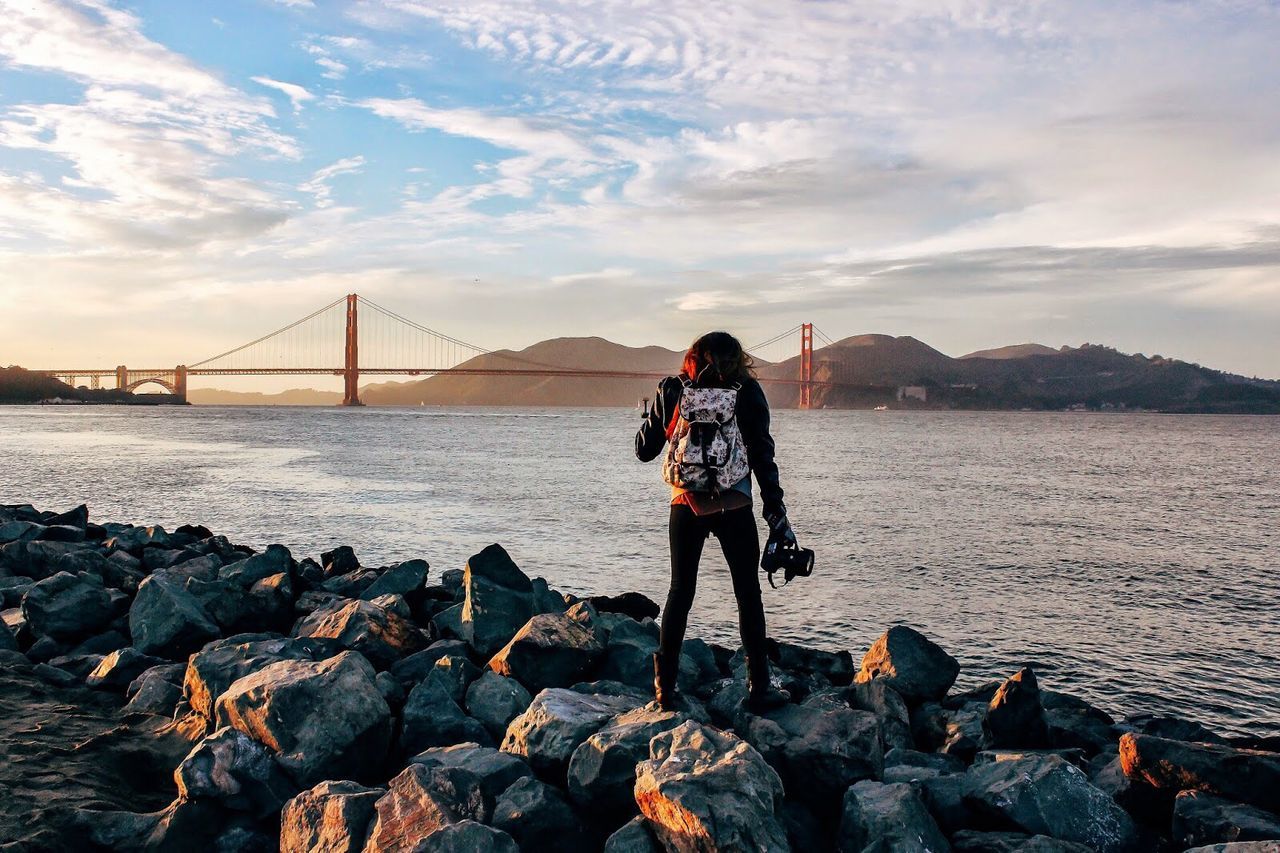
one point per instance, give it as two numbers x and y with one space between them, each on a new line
122 377
806 365
180 382
351 369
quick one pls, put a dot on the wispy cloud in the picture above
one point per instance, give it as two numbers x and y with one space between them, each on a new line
296 94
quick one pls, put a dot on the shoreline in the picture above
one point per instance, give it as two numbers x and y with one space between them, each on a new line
255 685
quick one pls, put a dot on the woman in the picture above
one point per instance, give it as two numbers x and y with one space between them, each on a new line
716 418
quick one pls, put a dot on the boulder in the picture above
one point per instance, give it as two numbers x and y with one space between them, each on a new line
706 790
495 701
67 606
467 836
20 531
602 771
417 666
538 817
105 643
1239 847
634 837
1244 775
350 585
448 623
890 709
332 817
400 579
818 752
1046 795
245 573
499 600
269 603
35 560
1200 819
495 770
1015 718
422 800
454 582
395 603
1171 728
632 604
629 654
431 718
118 669
909 662
551 650
455 674
361 626
969 841
339 561
323 719
135 539
167 620
556 723
963 735
836 667
236 770
218 665
890 816
156 697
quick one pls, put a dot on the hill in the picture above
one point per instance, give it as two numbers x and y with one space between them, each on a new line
292 397
1013 351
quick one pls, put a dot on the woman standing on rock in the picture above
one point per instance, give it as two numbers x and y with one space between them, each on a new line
716 418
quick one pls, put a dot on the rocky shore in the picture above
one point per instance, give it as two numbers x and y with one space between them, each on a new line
171 690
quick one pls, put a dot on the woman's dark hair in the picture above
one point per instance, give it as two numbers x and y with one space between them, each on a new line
728 361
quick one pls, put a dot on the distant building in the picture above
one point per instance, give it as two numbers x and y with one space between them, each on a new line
913 392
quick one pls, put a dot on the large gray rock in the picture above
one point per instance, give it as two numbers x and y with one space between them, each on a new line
7 641
381 636
818 752
155 696
634 837
245 573
400 579
602 771
467 836
890 816
332 817
167 620
706 790
556 723
417 666
454 673
35 560
237 771
1200 818
499 600
495 770
1244 775
890 709
909 662
1046 795
67 606
629 655
495 701
135 539
323 719
422 800
550 650
221 663
431 718
538 817
120 668
1015 718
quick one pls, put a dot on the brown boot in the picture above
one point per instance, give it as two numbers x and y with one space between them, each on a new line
664 683
762 696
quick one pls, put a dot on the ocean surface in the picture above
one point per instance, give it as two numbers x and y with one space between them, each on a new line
1131 559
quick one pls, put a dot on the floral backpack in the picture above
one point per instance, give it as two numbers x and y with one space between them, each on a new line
706 452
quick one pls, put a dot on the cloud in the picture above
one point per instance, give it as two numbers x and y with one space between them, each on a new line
296 94
319 183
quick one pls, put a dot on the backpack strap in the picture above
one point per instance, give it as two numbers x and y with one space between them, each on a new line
675 412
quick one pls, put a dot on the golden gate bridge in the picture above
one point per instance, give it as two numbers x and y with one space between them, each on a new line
354 336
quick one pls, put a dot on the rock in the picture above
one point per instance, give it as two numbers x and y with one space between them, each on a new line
332 817
836 667
120 668
1046 795
417 666
556 723
467 836
706 790
362 626
551 650
454 581
1075 756
495 701
432 718
546 599
35 560
933 760
54 675
45 649
270 602
495 770
102 644
910 663
629 655
1088 729
968 841
167 620
395 603
218 665
890 709
322 718
20 531
538 817
631 604
1015 718
400 579
963 735
351 585
1172 728
236 770
499 600
1200 819
1240 847
892 817
339 561
1245 776
448 623
135 539
155 697
245 573
818 752
633 837
455 674
420 801
78 665
602 771
67 606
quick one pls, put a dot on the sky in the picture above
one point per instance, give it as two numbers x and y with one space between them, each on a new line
180 177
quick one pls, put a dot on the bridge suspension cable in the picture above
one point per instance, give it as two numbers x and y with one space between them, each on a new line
300 339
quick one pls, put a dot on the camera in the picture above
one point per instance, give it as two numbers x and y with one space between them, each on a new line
792 561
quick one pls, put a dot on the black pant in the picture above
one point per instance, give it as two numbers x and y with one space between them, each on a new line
736 530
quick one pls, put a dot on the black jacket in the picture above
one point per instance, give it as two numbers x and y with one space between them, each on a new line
753 420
